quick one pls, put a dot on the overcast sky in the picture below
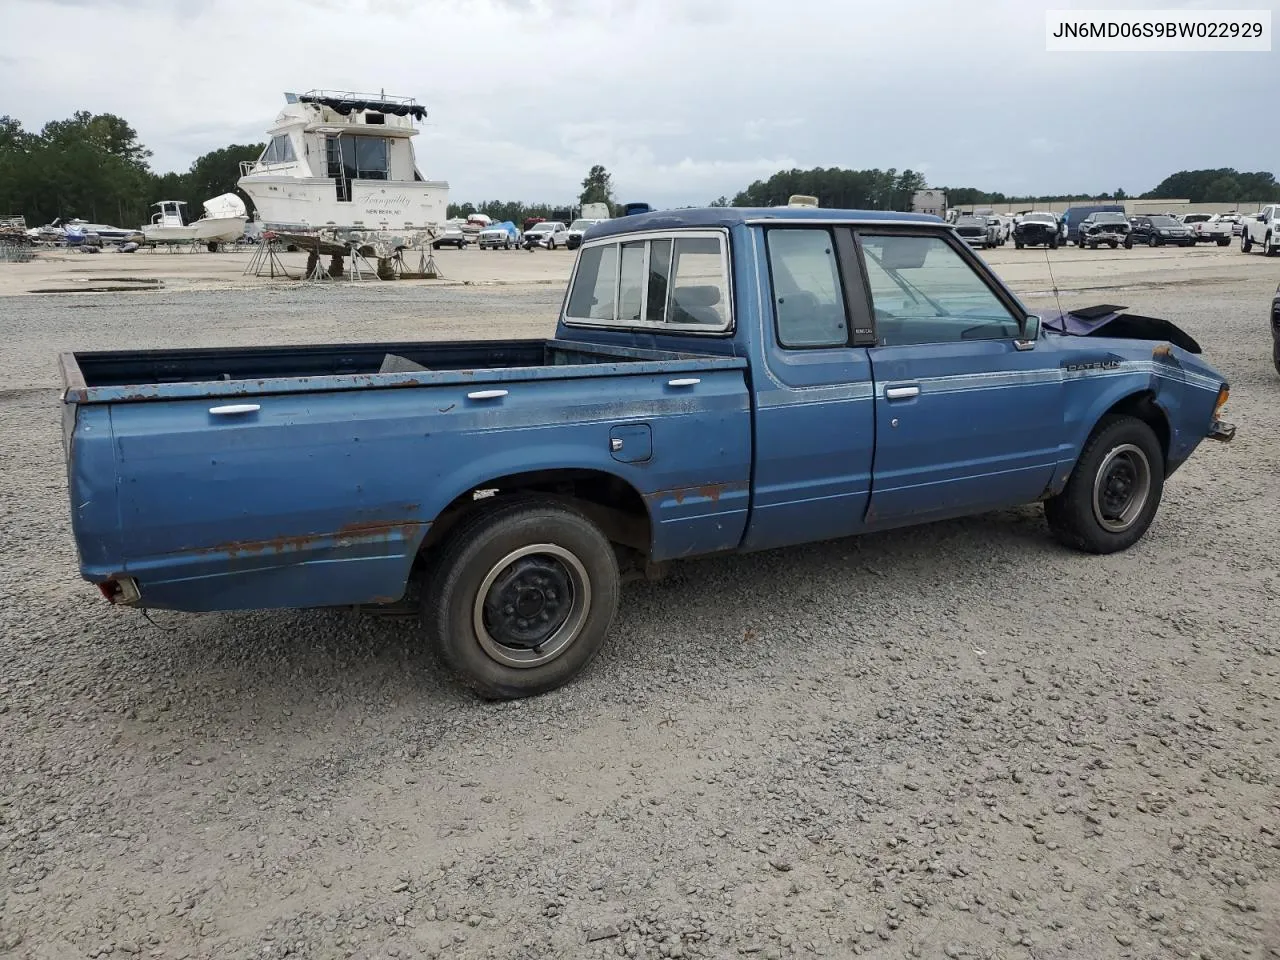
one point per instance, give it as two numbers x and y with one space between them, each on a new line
682 100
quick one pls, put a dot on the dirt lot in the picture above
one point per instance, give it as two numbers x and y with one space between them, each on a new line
953 741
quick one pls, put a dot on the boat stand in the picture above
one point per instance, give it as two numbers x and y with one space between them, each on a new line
266 260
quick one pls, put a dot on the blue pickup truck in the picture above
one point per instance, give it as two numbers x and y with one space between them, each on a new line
720 380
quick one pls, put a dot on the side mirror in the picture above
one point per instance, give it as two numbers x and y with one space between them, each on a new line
1030 333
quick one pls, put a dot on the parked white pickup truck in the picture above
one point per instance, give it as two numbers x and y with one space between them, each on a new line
1262 230
1209 229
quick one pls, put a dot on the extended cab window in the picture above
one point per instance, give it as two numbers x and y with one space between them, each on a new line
923 291
807 301
680 281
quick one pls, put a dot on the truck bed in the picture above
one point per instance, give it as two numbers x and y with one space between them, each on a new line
318 483
116 376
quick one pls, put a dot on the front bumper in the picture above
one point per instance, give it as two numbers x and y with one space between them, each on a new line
1105 236
1221 430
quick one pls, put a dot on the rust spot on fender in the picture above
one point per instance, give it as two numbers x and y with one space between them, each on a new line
705 491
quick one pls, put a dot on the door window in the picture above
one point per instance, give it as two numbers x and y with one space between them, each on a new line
924 291
807 303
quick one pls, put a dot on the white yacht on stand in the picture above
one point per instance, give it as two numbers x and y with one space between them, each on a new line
339 163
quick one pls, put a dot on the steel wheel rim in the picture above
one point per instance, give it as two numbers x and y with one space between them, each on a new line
532 605
1121 488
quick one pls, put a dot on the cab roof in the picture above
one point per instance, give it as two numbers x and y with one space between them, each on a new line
708 217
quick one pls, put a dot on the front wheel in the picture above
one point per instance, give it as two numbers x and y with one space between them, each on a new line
1128 243
1113 244
1246 242
1017 244
521 598
1152 241
1053 243
1114 491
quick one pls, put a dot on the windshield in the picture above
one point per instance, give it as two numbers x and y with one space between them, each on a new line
542 227
1164 222
580 224
1109 218
1038 218
971 221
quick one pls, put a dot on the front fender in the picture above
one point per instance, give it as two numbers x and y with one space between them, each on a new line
1090 398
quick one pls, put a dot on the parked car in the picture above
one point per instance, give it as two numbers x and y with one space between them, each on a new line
503 234
1099 228
1072 216
978 231
549 234
1004 226
451 235
1236 221
577 228
1036 230
1262 230
1157 230
1208 229
502 490
1275 329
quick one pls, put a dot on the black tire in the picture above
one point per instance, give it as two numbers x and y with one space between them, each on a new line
1153 241
1128 243
1119 451
551 243
1053 243
1275 357
1267 249
1246 242
1113 244
1223 243
1017 244
477 556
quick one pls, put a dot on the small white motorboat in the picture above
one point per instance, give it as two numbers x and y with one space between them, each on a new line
223 222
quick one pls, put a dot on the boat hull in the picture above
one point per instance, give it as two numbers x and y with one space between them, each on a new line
287 203
205 230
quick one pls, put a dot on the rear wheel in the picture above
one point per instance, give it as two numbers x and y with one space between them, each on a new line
1114 491
521 597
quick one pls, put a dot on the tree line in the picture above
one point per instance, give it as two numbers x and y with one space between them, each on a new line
94 167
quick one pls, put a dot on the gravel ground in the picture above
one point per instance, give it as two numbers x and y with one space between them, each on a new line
953 741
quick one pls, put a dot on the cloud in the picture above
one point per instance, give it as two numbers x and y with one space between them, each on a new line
682 100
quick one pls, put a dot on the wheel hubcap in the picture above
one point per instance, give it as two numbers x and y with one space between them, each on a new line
1121 488
532 605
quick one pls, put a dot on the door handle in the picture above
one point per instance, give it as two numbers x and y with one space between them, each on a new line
232 409
486 394
684 382
901 393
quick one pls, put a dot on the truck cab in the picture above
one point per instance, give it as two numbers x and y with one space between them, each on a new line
1262 230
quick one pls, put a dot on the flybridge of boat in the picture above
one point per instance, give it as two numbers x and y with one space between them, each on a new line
344 103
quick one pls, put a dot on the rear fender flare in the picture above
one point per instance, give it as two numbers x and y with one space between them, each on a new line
482 474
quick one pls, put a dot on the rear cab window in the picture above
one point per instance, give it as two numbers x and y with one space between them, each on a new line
677 281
